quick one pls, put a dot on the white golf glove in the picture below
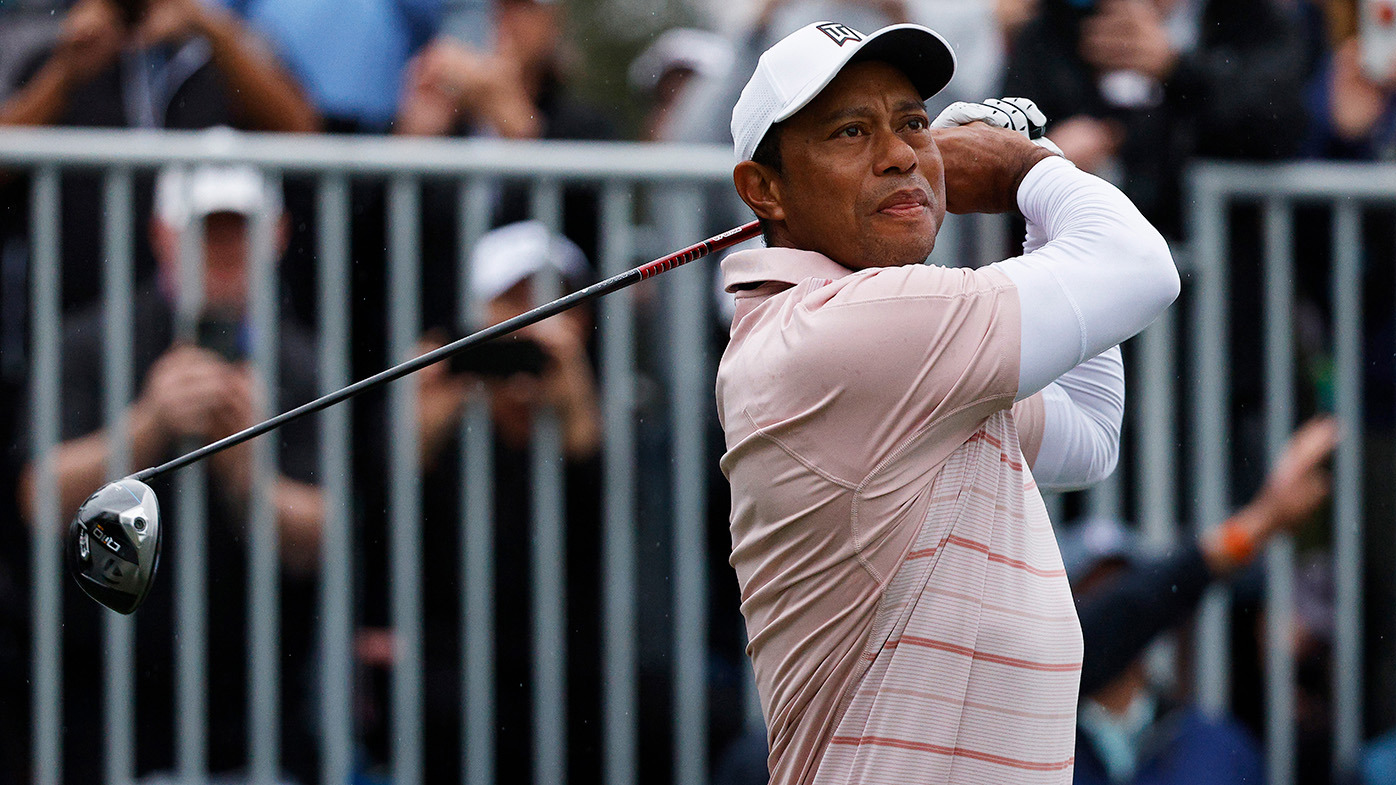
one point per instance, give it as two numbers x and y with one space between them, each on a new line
1016 114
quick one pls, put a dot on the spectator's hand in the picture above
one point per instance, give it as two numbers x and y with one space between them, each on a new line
170 20
568 384
1299 481
984 166
1296 486
185 393
441 398
448 79
1356 103
1088 142
91 38
1014 15
1128 35
241 407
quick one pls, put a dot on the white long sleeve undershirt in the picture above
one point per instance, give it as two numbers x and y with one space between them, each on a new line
1094 273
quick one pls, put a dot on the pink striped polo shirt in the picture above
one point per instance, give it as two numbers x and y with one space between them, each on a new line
908 615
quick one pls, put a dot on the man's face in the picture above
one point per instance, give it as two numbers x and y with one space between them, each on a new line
862 180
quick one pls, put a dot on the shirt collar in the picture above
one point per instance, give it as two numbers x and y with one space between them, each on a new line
784 265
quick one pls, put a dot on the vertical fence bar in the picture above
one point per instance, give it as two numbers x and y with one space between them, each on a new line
548 551
336 534
263 595
1279 557
620 699
1211 438
1347 488
1156 416
45 555
118 630
404 324
1156 481
191 487
477 540
1103 499
689 296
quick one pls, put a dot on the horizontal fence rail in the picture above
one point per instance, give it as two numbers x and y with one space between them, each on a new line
651 666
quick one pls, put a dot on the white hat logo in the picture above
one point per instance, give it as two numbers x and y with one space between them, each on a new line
840 33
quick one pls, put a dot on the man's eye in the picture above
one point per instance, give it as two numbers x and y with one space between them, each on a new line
918 124
849 132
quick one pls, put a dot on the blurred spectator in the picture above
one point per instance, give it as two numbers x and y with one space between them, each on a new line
193 393
1135 88
520 90
1352 110
1129 730
157 64
350 56
177 64
544 367
662 72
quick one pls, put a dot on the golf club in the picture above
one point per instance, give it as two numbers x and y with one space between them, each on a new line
113 543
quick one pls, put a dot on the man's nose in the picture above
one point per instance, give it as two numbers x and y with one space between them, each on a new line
894 155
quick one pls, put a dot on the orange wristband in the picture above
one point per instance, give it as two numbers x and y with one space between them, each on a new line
1236 543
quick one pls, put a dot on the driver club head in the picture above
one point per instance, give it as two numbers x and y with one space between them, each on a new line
114 544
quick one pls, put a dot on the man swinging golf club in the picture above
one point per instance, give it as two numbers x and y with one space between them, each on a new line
889 423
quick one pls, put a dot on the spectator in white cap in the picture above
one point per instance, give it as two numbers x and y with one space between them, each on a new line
889 423
664 70
225 200
542 368
545 364
196 383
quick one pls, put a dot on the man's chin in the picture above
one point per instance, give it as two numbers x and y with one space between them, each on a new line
897 249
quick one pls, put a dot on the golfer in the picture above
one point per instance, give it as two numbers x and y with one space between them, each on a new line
889 424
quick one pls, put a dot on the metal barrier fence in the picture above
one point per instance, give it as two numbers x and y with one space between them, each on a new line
674 182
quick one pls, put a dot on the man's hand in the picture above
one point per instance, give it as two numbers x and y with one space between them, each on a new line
1356 103
1089 142
183 393
984 166
448 80
171 20
1128 35
1297 484
92 37
240 407
441 398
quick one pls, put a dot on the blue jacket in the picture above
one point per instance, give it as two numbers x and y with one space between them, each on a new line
1183 748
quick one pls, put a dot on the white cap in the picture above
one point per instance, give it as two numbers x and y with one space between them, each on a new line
793 71
704 53
182 194
516 251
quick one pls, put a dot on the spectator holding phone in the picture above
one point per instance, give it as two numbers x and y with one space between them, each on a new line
197 390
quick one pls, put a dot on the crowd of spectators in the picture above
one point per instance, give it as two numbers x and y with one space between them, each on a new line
1136 89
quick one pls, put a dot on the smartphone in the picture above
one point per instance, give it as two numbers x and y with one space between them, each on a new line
501 358
1376 32
223 337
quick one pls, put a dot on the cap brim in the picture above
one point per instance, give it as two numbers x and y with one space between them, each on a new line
919 52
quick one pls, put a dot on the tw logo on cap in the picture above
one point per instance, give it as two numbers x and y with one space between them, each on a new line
839 33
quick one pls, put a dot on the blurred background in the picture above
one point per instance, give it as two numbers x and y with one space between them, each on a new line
512 567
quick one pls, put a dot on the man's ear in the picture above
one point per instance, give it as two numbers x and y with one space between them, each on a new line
759 187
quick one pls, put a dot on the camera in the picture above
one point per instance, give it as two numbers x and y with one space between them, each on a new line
501 359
